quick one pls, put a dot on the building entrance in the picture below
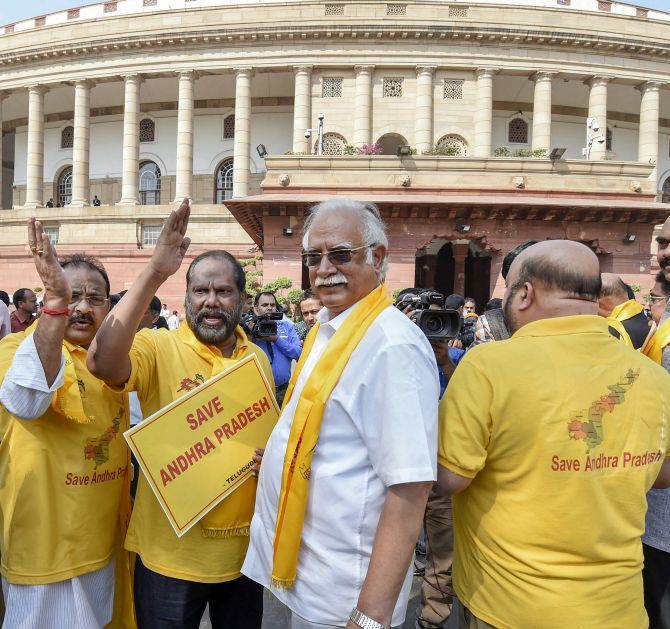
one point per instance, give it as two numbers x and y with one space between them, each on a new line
455 266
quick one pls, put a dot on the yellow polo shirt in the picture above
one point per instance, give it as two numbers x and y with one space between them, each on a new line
163 369
61 482
563 430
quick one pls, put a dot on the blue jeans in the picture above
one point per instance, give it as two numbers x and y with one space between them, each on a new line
167 603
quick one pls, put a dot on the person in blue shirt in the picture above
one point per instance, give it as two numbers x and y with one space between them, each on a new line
280 349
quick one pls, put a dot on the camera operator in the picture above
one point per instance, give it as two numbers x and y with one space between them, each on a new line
280 349
438 523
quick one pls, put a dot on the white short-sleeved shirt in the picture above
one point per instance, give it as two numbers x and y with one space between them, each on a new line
379 429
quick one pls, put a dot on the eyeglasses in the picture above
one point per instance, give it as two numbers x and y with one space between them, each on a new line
336 256
655 298
93 300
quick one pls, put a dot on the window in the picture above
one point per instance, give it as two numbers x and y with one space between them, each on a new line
453 89
564 3
40 21
73 14
149 3
392 87
396 9
67 137
333 144
147 130
150 234
666 191
334 9
331 87
456 143
458 11
52 232
390 142
608 139
604 5
224 181
64 186
150 184
110 7
9 29
641 12
517 131
229 127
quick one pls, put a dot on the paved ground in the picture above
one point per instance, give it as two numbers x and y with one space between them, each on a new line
274 617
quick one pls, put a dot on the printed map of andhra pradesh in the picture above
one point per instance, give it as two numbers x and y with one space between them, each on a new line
97 448
587 424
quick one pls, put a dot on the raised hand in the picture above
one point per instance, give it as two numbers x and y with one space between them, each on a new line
56 287
172 243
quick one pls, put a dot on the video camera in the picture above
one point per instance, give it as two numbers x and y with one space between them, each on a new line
261 326
437 325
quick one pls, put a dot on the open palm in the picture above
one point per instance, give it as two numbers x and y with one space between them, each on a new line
172 243
56 286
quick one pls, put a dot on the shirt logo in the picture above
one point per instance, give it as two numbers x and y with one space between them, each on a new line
97 448
587 424
188 384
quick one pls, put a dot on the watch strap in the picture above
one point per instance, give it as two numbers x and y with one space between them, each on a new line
363 621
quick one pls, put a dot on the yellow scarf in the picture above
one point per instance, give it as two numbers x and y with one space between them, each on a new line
621 313
231 517
655 344
306 426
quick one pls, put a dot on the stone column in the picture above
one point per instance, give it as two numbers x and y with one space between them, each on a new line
241 145
484 112
81 188
302 108
542 110
598 110
649 113
460 251
363 105
184 179
423 125
131 141
3 95
35 161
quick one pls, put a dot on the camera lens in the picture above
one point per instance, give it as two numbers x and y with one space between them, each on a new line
434 325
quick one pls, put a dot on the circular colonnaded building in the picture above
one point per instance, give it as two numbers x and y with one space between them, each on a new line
491 121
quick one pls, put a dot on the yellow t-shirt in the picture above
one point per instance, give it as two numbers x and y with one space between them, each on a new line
163 369
61 482
563 430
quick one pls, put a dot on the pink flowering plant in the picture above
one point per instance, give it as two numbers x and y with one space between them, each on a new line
369 149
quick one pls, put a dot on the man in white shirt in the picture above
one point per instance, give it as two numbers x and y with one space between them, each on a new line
173 320
5 322
375 459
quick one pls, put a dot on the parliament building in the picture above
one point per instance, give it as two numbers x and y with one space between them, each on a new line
473 124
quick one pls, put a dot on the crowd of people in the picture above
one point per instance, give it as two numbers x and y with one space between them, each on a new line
528 442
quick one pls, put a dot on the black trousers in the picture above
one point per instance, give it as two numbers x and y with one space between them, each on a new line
166 603
656 577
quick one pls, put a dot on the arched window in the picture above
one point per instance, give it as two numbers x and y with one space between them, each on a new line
333 144
455 145
608 139
150 184
64 190
517 131
665 195
229 127
147 130
390 142
224 181
67 137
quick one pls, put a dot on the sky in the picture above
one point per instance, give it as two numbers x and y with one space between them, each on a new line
11 11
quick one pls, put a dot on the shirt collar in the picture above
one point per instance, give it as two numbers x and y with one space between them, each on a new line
560 326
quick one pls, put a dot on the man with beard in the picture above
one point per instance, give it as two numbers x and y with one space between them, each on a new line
577 423
63 460
176 578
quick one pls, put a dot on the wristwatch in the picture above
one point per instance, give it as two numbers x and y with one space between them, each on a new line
363 621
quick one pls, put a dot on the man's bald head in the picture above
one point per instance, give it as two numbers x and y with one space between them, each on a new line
553 278
614 291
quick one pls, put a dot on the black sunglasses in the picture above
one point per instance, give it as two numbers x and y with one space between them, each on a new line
336 256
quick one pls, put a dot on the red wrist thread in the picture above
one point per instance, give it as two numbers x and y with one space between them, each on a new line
55 313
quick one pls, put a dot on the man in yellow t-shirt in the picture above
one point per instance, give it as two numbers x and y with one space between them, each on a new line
550 441
63 460
177 577
625 316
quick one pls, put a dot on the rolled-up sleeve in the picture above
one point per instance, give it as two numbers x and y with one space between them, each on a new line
24 391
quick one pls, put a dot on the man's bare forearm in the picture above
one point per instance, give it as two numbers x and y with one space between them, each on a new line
108 357
393 549
48 337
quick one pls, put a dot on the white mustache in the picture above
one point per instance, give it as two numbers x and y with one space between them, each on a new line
331 280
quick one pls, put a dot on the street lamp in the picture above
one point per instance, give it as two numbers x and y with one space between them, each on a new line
592 135
319 130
